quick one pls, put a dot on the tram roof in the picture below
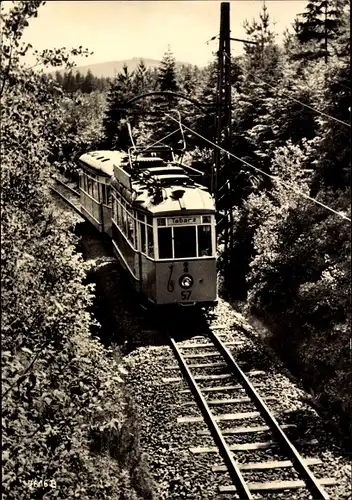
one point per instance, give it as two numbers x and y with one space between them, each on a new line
194 198
103 161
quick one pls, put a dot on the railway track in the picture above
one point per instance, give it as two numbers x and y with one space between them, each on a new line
69 195
209 367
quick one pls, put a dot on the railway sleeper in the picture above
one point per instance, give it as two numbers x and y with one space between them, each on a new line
253 373
234 447
219 364
278 485
218 418
222 388
197 346
243 430
272 464
223 401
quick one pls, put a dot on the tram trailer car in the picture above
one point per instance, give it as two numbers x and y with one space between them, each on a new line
161 222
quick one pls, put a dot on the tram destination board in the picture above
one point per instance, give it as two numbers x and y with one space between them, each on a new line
175 221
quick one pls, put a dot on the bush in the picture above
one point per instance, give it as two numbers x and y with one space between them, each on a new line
298 277
58 383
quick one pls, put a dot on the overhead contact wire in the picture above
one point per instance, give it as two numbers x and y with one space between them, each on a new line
273 177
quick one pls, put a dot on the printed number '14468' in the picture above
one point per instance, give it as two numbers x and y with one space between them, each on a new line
186 294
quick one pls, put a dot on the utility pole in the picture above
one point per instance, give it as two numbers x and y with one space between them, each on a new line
221 179
223 134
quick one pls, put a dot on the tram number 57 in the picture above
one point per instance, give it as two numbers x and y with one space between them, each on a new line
186 294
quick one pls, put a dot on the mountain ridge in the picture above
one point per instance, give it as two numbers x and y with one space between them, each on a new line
111 68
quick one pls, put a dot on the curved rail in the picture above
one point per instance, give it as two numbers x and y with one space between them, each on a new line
241 486
66 186
75 207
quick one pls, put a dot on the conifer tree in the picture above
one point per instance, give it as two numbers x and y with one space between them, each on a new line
69 83
317 27
121 91
167 78
59 78
78 80
264 56
88 83
140 80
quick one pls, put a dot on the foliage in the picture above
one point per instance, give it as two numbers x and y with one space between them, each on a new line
121 91
77 128
290 256
318 27
71 81
58 383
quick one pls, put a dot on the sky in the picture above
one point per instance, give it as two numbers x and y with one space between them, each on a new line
117 30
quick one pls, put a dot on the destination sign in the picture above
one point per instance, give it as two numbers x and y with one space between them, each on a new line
177 221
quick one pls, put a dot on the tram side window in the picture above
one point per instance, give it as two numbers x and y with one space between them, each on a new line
130 228
204 241
150 241
124 220
103 194
165 242
90 186
185 242
119 214
96 190
108 194
143 238
114 210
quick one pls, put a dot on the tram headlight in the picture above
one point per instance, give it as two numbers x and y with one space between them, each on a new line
186 281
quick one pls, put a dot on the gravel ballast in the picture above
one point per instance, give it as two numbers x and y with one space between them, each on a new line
166 443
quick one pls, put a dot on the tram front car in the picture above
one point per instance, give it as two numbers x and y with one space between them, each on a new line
185 248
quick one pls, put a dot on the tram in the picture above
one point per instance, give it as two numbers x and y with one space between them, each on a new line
161 222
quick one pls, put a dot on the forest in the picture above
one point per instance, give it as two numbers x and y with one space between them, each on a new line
289 259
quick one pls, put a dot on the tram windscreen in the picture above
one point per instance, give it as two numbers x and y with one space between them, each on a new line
165 242
185 242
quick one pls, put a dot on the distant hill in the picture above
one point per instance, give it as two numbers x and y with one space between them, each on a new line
111 68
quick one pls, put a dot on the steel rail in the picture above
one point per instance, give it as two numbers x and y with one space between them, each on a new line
232 466
311 481
76 193
69 202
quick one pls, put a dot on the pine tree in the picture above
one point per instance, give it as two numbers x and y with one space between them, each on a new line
318 27
115 131
59 78
69 83
79 80
156 121
167 79
140 78
88 84
264 56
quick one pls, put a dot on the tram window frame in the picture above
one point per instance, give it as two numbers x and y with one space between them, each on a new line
207 221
